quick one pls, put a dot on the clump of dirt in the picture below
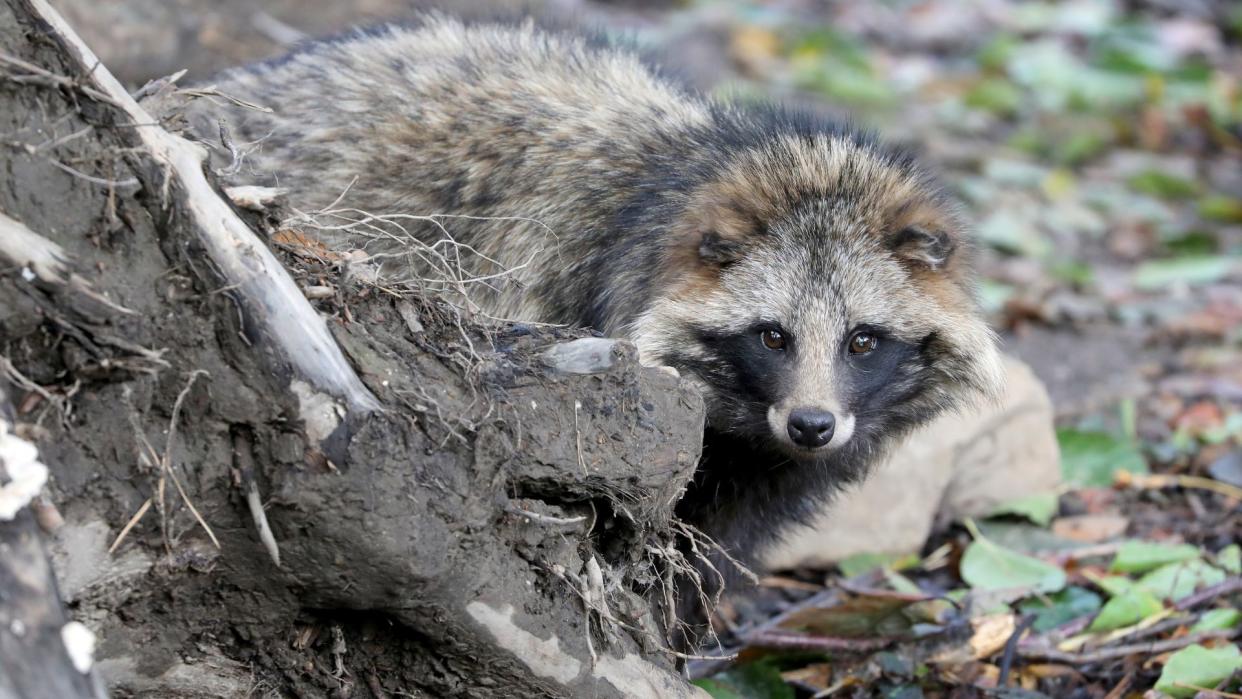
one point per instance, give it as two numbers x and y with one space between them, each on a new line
501 527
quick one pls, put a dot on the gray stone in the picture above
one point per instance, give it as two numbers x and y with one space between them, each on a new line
587 355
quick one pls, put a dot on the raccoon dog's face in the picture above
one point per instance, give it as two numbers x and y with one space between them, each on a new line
824 303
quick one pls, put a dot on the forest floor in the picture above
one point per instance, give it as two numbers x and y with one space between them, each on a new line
1098 147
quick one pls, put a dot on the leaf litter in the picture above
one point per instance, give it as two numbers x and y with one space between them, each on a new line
1098 147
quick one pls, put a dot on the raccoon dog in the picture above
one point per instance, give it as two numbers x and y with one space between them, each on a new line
815 285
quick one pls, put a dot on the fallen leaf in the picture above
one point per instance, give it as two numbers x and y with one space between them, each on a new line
1091 528
1227 468
1219 207
988 636
994 95
986 565
1178 580
754 49
1230 558
817 676
1218 620
1038 508
1128 608
1199 418
1162 184
1142 556
1090 459
1066 605
1196 666
758 680
1158 275
860 563
868 614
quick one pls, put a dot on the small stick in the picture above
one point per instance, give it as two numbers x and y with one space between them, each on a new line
1153 481
1207 594
190 504
1011 647
130 525
1210 692
792 640
1122 687
166 461
1116 652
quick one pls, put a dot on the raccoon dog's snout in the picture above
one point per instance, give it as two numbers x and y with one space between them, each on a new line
811 427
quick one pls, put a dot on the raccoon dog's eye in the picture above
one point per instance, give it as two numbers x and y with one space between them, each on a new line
863 342
773 339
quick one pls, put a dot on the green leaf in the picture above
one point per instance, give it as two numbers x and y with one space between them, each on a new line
1080 146
1025 537
901 583
1142 556
1089 459
987 566
1219 207
1073 272
1191 243
1177 580
1014 233
1066 605
1163 185
828 43
994 295
1114 585
1218 620
996 52
1196 666
1125 609
994 95
1040 508
860 563
760 680
1155 275
1230 558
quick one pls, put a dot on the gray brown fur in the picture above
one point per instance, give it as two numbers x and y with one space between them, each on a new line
681 223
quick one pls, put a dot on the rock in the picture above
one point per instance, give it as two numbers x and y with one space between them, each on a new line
958 466
588 355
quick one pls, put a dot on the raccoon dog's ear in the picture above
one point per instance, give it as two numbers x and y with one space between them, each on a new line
932 249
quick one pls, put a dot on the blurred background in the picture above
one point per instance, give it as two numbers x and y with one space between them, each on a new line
1097 145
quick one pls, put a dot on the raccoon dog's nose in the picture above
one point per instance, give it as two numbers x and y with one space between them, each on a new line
811 428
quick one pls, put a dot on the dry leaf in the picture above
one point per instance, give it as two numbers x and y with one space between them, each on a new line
1091 528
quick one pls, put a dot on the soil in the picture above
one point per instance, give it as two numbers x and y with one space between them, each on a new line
488 488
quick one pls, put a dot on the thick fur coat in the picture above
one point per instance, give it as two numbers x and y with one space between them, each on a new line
787 265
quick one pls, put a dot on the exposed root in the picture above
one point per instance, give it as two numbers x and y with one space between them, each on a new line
591 587
162 463
254 502
61 403
120 538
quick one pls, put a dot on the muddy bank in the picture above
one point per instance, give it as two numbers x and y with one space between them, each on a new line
498 526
